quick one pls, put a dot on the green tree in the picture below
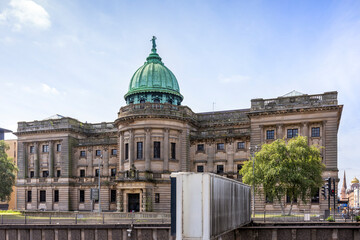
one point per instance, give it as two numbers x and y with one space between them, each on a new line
7 173
281 169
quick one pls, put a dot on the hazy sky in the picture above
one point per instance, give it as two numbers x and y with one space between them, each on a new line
76 58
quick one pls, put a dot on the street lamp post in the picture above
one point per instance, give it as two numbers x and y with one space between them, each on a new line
252 151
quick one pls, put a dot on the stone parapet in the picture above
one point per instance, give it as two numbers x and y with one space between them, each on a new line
293 102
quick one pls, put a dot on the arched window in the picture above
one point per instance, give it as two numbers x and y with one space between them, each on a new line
142 100
170 101
156 100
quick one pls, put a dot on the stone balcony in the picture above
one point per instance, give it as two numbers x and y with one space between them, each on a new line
293 102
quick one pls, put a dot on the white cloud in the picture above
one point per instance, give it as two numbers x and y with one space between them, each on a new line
23 13
234 79
47 89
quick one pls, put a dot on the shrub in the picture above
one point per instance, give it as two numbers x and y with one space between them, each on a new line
330 219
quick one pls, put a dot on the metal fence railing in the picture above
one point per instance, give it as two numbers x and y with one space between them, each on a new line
300 216
85 218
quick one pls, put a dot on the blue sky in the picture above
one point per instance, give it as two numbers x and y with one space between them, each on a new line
76 58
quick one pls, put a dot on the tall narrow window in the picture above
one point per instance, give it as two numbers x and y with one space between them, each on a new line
58 173
96 172
126 151
113 152
45 148
139 150
156 149
200 147
82 154
32 149
241 145
45 174
42 196
29 196
82 196
173 150
113 196
239 167
82 172
113 172
98 153
58 147
157 197
31 174
56 195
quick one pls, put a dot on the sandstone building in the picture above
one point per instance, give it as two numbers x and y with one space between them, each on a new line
154 135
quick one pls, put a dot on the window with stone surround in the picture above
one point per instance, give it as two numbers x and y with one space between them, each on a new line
126 151
241 145
56 195
42 196
157 197
31 174
45 174
315 132
98 153
113 172
82 172
82 196
82 154
291 133
200 168
29 196
32 149
219 169
58 147
113 195
220 146
45 148
173 151
96 172
58 173
113 152
156 149
200 148
139 150
270 134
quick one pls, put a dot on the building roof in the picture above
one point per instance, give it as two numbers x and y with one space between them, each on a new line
355 180
293 94
3 130
153 76
56 116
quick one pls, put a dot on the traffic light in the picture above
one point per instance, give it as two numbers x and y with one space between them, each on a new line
324 191
328 186
332 192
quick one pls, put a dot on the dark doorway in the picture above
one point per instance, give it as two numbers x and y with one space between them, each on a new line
133 202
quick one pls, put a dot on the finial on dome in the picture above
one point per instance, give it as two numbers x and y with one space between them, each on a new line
153 44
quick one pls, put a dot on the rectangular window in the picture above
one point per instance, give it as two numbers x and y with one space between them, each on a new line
29 196
200 147
220 146
291 133
113 172
315 197
315 132
82 154
98 153
126 151
96 172
58 173
58 147
113 152
82 172
82 196
42 196
31 174
45 173
32 149
139 150
270 134
56 195
239 167
219 169
45 148
156 149
113 196
241 145
200 168
157 197
173 150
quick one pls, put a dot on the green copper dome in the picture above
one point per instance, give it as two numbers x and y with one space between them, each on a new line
153 82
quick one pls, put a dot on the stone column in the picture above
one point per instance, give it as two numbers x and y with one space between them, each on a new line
323 141
279 131
89 160
22 160
210 152
105 171
51 159
230 149
36 160
147 149
166 149
131 147
261 134
121 151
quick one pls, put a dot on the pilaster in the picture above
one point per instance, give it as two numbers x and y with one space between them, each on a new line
147 149
166 149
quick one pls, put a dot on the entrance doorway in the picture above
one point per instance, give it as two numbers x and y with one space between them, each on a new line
133 202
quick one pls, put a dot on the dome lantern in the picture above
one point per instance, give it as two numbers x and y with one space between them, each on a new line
153 82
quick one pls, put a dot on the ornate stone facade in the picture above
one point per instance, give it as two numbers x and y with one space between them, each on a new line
58 159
